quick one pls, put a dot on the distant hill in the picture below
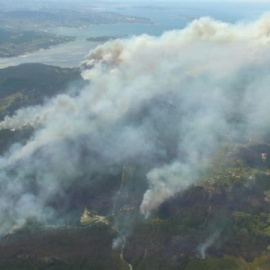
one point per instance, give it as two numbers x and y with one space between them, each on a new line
17 42
54 17
29 84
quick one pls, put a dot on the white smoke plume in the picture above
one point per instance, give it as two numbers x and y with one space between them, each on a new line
167 103
207 244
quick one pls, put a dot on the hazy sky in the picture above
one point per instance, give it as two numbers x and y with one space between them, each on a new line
132 1
182 1
140 1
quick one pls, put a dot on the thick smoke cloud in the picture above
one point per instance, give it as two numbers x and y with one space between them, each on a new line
167 103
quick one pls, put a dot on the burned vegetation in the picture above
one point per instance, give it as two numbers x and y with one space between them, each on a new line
154 164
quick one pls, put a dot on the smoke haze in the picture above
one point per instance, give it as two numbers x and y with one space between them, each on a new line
167 103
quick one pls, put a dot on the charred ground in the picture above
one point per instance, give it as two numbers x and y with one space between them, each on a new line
220 223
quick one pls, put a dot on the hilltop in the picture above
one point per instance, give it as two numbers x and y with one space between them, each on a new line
30 84
16 42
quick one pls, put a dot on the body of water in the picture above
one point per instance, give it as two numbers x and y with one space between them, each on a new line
164 17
